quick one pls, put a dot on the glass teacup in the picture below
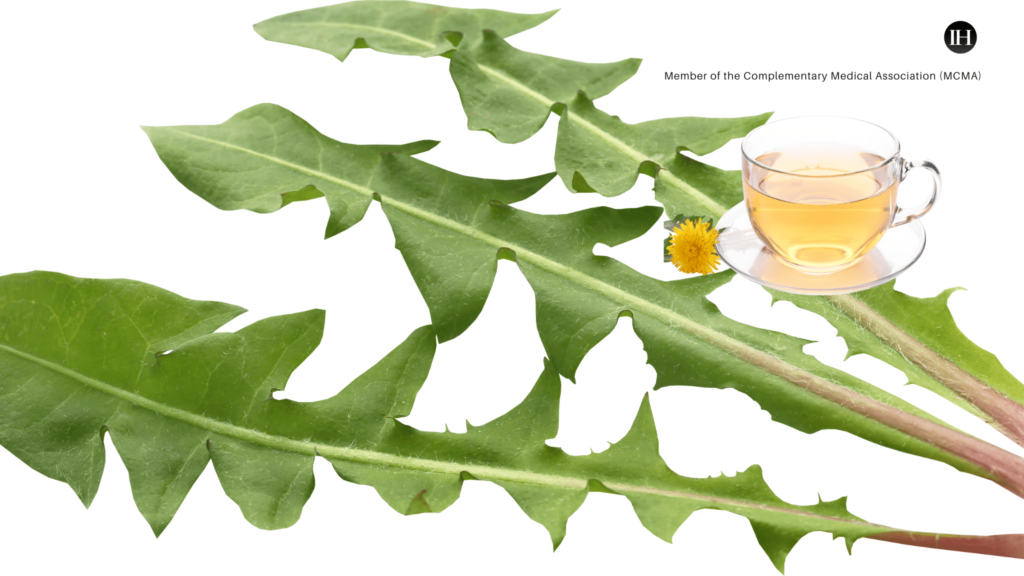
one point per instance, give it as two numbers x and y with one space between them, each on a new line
821 190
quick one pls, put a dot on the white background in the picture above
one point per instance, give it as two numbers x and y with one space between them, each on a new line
84 194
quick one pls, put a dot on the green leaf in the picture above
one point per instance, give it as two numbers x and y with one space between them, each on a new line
510 93
407 28
600 153
687 186
265 157
78 357
919 337
451 229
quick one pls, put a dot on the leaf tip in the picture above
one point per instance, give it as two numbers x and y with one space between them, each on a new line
158 526
260 27
754 471
849 541
428 145
945 294
545 16
645 403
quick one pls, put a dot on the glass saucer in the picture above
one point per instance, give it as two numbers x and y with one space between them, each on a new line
741 249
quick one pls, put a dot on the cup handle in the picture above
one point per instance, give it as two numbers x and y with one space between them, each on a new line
922 208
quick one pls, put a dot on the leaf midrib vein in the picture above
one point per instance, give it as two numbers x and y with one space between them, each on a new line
395 33
283 443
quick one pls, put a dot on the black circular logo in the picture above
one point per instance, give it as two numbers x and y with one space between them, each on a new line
960 37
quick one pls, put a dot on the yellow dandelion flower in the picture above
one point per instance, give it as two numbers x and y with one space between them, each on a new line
693 247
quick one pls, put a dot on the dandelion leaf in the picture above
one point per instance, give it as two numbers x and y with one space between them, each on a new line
406 28
78 357
920 337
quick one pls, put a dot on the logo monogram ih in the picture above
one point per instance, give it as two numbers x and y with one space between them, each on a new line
960 37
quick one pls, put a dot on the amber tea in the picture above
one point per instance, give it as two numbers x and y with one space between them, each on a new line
820 209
